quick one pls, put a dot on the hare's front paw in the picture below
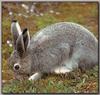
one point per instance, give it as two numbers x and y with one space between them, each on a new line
35 76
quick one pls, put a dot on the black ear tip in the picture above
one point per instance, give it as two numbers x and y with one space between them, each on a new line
14 20
25 30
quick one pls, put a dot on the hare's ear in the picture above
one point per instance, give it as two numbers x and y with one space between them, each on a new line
26 38
23 42
20 46
16 31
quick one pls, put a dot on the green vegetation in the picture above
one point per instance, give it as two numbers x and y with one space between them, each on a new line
46 20
75 82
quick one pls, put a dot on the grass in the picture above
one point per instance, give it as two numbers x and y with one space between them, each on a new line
75 82
46 20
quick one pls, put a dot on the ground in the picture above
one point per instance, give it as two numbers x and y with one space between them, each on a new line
45 14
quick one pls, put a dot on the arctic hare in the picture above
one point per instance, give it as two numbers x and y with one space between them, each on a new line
58 48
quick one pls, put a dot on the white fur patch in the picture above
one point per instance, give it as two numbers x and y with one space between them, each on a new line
61 70
35 76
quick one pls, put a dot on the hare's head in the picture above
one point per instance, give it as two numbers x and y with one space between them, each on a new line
19 60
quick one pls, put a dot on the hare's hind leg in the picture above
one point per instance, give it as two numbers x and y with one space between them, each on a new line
84 58
68 67
71 64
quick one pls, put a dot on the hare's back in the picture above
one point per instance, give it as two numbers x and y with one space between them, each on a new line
65 32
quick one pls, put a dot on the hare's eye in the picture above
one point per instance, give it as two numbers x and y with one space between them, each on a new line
16 66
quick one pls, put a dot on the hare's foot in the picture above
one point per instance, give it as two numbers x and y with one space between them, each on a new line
35 76
61 70
68 67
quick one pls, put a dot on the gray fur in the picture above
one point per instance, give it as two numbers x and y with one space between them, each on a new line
61 44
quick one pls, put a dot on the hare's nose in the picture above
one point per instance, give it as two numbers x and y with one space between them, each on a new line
16 67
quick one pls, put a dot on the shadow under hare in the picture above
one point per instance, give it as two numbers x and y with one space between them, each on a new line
59 48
